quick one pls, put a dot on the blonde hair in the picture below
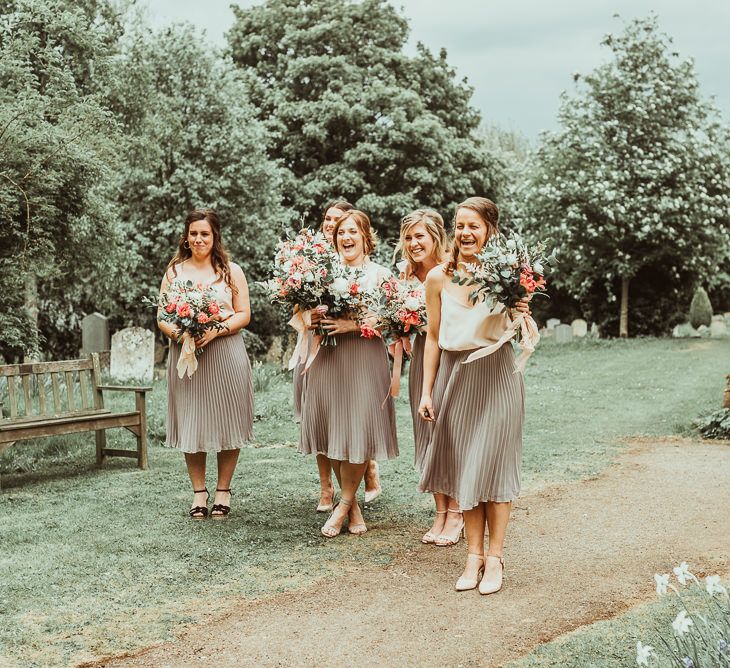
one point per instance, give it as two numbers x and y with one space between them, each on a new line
434 224
362 221
487 211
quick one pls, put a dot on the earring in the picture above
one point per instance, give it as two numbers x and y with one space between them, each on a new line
186 245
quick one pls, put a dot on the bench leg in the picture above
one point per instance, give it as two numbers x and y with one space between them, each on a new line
100 447
142 438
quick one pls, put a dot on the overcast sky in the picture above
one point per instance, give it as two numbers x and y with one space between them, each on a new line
520 55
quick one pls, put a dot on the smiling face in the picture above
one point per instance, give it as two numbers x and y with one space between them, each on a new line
350 242
330 218
470 234
419 242
200 238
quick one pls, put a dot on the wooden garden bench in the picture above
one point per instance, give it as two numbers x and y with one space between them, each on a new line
75 404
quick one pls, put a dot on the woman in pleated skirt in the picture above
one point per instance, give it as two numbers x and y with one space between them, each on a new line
423 245
476 408
344 416
211 410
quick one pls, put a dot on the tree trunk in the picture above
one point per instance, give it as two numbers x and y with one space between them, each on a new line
31 308
623 327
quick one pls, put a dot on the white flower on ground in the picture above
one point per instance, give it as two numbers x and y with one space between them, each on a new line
661 583
683 574
682 623
643 652
713 586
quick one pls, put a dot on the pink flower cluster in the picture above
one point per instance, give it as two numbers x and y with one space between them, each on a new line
400 309
190 308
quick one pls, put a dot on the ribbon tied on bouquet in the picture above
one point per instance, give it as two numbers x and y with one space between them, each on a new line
500 333
301 321
396 350
188 360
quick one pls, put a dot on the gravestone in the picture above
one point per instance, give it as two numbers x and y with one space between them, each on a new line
580 327
563 334
684 330
546 333
552 323
595 331
94 334
718 329
133 354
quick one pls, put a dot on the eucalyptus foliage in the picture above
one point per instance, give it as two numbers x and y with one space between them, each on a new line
635 186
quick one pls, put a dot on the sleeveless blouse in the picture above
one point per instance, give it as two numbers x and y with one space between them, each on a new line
467 327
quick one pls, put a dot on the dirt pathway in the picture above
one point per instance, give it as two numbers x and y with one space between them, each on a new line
576 553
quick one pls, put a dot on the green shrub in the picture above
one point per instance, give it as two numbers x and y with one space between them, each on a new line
715 425
700 310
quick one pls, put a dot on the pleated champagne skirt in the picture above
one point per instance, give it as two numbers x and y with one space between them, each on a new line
476 447
343 414
212 410
421 429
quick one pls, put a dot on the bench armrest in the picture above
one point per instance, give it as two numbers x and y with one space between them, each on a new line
122 388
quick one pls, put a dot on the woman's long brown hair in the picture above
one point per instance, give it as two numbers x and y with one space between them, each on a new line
218 256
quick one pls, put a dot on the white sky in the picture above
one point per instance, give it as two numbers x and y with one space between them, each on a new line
520 55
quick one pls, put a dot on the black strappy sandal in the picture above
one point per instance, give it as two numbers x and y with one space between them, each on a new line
200 512
219 511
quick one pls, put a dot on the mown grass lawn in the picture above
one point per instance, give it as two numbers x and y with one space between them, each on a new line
96 562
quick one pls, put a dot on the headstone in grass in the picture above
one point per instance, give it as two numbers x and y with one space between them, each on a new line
94 334
595 331
546 333
718 328
552 323
563 334
683 331
580 327
133 354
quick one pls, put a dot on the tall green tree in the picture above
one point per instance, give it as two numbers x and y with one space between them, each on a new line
191 139
350 114
56 153
635 186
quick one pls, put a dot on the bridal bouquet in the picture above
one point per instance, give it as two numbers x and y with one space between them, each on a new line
303 269
192 309
400 309
344 296
507 271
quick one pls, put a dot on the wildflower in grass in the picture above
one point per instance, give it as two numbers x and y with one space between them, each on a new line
723 647
682 623
661 583
683 574
643 653
688 663
713 586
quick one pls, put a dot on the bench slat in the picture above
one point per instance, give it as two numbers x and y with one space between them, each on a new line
27 401
67 425
44 367
40 380
70 390
84 388
56 394
12 397
35 419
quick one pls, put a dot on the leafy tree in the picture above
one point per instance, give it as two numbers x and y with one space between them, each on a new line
635 186
56 152
349 114
191 140
700 309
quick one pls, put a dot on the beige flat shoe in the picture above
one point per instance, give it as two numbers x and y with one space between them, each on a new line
326 507
429 538
447 540
372 482
493 585
465 584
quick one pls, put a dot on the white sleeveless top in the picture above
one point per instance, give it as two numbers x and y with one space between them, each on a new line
467 327
222 292
373 274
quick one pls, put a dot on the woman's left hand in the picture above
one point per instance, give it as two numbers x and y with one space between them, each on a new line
335 326
522 306
204 340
